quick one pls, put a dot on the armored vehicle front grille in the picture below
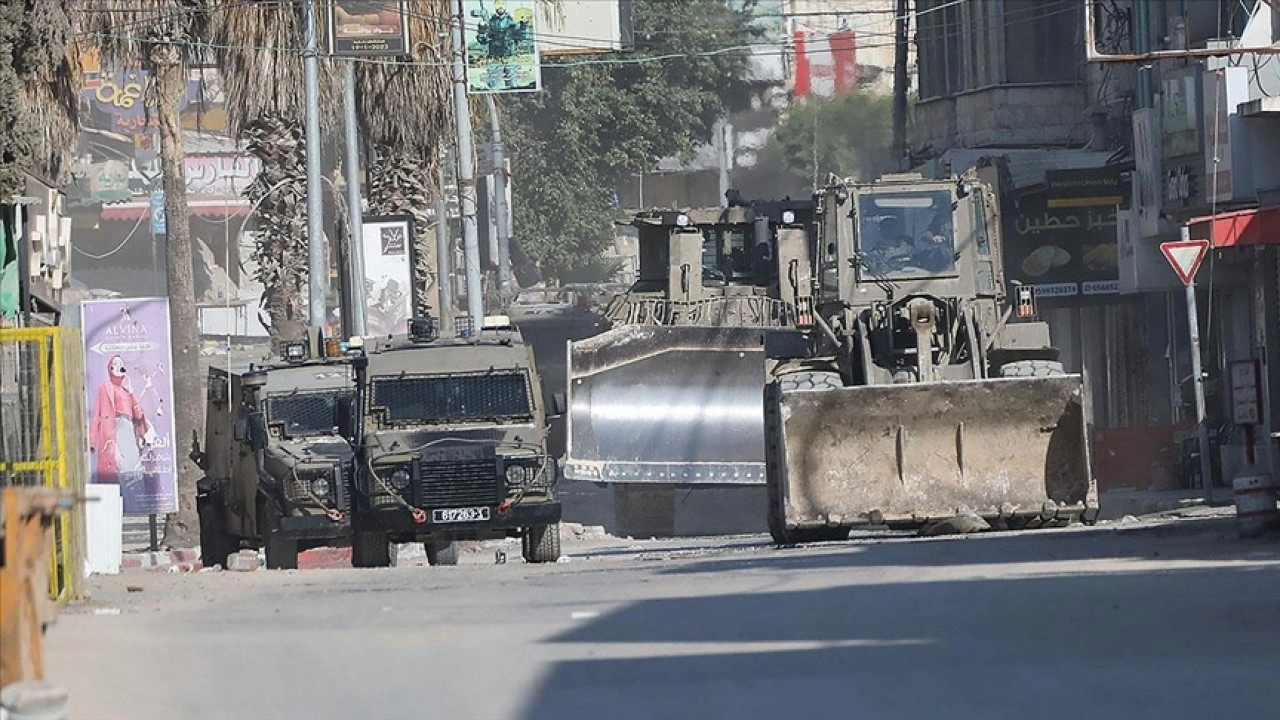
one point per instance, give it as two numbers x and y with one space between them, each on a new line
460 484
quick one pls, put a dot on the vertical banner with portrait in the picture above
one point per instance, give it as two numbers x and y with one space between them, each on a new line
388 274
502 49
130 400
364 28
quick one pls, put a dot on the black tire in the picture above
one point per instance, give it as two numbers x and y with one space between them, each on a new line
442 552
1032 368
810 380
281 552
215 543
370 550
541 543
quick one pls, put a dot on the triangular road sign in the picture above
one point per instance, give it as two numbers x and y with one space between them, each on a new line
1185 256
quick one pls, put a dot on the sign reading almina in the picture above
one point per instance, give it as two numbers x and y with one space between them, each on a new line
364 28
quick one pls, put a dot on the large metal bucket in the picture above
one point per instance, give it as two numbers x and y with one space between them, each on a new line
914 452
674 405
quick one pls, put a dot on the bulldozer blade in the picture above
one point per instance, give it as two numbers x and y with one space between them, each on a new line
1012 447
677 405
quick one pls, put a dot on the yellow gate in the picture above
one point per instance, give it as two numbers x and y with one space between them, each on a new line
42 434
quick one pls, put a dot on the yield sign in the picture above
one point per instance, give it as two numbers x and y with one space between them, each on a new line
1185 256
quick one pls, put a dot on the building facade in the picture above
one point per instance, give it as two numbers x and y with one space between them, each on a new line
1013 81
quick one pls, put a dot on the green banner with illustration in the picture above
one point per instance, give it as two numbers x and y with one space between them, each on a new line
502 52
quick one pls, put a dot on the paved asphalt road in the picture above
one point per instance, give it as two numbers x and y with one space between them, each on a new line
1130 621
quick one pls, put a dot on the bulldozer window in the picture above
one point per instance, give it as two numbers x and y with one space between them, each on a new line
907 234
728 253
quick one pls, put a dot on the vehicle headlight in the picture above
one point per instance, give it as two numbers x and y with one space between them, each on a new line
399 480
517 474
320 487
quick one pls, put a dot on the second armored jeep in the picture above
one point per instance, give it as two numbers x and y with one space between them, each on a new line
451 444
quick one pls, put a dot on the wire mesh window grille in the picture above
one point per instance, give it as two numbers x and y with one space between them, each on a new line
300 414
453 398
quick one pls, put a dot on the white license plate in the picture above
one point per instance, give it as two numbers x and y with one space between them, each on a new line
457 515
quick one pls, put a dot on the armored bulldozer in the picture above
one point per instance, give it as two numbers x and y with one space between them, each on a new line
922 396
450 439
670 394
276 470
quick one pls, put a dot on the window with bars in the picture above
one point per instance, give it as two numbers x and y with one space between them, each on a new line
442 399
299 414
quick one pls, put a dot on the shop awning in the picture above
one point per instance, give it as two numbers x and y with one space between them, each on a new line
212 209
1258 226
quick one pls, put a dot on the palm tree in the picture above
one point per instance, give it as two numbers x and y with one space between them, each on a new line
258 49
162 34
406 116
40 71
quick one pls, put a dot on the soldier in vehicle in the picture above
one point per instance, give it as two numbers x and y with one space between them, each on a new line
892 248
933 251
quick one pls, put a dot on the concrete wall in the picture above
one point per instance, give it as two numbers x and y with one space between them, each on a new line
1005 116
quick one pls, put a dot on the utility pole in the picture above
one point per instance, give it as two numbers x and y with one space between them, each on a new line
355 213
466 175
900 81
724 153
500 201
444 262
317 256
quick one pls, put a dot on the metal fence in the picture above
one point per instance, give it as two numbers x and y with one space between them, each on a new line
42 434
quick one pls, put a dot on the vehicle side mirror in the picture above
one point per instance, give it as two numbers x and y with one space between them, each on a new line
559 405
344 417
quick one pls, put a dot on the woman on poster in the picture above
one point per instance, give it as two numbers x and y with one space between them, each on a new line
119 429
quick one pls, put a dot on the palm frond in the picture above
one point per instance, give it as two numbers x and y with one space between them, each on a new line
407 106
42 76
258 46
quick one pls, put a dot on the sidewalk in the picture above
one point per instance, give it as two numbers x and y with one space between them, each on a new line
1116 504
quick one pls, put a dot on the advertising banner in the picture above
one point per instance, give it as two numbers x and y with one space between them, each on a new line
1063 253
502 52
130 401
364 28
388 274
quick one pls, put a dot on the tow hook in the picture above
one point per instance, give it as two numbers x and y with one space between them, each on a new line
504 507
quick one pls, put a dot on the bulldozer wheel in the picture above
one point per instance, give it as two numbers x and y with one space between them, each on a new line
810 380
442 552
370 549
1032 368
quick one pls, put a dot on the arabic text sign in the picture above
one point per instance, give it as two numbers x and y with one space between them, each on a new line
1089 187
1057 248
221 175
368 27
130 400
125 99
502 49
388 275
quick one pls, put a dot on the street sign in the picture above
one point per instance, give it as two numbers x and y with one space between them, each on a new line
1185 256
158 224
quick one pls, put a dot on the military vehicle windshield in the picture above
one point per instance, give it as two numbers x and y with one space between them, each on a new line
300 414
730 255
906 234
443 399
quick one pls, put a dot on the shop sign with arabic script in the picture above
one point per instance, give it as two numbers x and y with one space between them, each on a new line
1062 252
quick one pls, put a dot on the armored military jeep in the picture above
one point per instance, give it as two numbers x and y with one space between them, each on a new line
277 473
450 438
